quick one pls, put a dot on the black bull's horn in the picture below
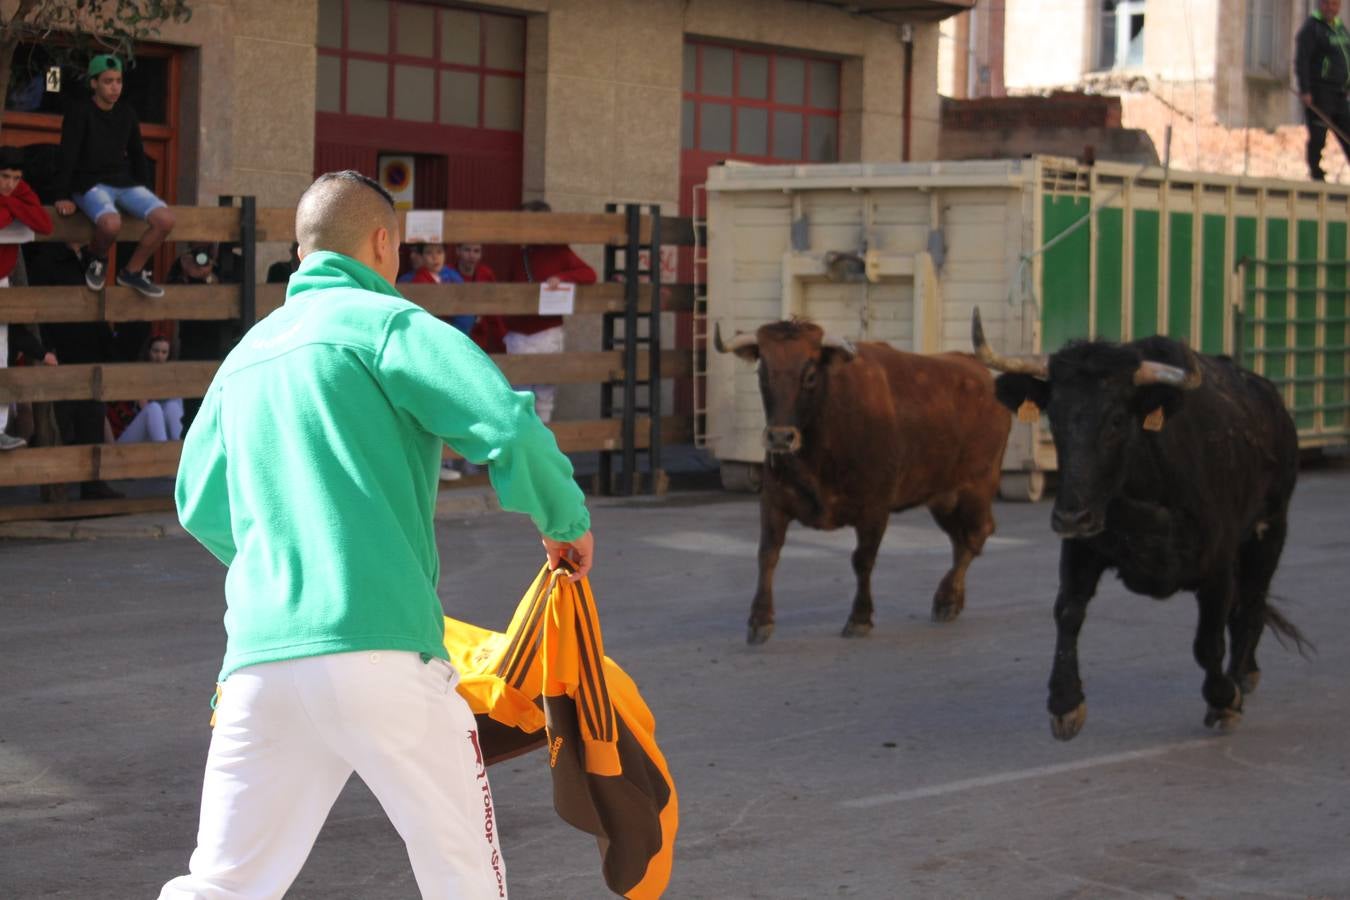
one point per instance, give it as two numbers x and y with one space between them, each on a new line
1038 366
1149 372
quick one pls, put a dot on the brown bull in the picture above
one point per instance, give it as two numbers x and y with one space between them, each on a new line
856 433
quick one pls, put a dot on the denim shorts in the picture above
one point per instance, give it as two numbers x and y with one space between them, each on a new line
101 199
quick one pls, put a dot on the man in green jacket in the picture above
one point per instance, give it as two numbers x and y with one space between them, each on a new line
311 472
1322 68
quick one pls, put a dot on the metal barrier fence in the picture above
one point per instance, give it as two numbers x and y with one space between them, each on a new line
620 432
1290 325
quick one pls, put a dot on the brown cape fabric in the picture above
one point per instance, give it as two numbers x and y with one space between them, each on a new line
547 681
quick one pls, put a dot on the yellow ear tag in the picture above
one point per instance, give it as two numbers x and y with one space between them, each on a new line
1028 412
1154 420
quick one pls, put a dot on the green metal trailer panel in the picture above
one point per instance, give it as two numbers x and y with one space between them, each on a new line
1067 265
1213 288
1336 329
1110 226
1146 269
1179 260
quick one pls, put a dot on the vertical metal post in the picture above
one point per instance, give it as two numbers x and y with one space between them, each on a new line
654 354
248 248
605 472
630 347
248 245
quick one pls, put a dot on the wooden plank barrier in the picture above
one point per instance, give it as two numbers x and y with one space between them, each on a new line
136 381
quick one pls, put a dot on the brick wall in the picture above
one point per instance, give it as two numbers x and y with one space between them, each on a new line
1201 143
1061 109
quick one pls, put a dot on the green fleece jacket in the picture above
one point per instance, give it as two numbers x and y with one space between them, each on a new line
311 469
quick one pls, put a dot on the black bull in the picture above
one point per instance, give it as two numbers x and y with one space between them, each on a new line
1176 469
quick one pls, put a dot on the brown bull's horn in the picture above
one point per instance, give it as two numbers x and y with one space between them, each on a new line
843 345
748 339
1023 365
1150 372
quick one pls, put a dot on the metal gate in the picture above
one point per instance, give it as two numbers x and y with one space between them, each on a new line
1290 326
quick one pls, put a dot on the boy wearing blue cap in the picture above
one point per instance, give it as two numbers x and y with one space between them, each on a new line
104 168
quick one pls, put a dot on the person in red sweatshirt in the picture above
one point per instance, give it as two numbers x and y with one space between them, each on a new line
550 264
21 214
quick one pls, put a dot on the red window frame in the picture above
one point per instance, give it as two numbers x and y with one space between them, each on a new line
807 108
434 62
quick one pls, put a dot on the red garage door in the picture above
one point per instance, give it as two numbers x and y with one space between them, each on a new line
443 84
753 105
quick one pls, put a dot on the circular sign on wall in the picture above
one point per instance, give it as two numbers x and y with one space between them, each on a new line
396 177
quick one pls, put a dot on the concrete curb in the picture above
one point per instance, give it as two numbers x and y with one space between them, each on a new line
464 503
105 528
452 504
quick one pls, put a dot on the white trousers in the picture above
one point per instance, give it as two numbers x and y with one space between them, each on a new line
550 340
158 420
289 734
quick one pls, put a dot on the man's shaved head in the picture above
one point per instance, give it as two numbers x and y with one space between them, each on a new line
340 212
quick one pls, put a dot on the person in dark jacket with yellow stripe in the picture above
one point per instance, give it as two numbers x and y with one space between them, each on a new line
1322 66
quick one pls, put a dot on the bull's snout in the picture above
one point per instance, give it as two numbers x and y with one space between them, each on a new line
1076 523
782 439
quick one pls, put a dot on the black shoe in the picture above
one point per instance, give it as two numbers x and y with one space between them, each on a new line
99 490
139 283
95 272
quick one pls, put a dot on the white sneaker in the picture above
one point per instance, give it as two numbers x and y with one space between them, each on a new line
449 474
9 442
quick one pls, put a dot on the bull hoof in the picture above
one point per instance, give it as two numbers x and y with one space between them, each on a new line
1248 682
758 634
1067 726
856 629
1224 720
945 612
1228 719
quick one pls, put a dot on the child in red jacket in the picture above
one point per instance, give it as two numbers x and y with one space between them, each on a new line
21 214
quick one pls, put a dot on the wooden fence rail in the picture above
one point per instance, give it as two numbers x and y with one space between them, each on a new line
245 303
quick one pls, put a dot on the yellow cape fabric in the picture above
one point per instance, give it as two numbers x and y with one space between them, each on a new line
614 783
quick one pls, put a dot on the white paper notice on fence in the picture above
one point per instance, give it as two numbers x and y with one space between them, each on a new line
423 226
16 233
557 301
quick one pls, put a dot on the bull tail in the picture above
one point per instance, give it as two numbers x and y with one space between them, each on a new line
1286 631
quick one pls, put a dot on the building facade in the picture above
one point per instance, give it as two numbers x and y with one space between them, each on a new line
1217 73
579 102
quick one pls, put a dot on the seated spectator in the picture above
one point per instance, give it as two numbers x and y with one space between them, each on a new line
21 214
148 420
104 169
550 264
280 272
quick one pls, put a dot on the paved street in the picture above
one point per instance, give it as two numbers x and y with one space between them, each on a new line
915 763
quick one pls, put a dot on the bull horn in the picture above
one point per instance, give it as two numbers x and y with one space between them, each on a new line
843 345
1150 372
1022 365
748 339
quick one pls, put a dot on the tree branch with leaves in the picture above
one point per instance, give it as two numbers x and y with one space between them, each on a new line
74 30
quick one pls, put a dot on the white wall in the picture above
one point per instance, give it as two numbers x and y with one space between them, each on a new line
1045 43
